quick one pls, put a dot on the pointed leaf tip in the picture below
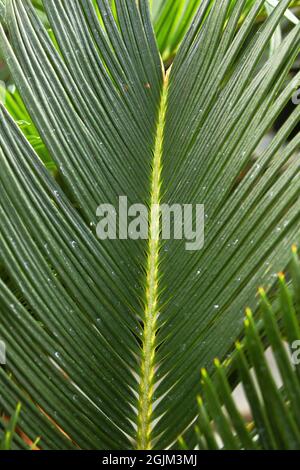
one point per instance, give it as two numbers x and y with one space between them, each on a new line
217 363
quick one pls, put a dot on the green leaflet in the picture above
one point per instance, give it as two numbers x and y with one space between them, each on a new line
105 338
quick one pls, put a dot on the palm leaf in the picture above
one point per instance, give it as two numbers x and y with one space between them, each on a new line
274 411
104 339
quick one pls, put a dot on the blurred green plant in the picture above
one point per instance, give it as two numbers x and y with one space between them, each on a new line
14 104
8 428
274 411
172 18
10 437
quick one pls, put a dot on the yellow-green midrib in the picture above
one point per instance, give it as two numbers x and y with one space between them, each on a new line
145 401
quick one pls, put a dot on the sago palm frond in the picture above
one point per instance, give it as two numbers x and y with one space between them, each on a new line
105 338
275 416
